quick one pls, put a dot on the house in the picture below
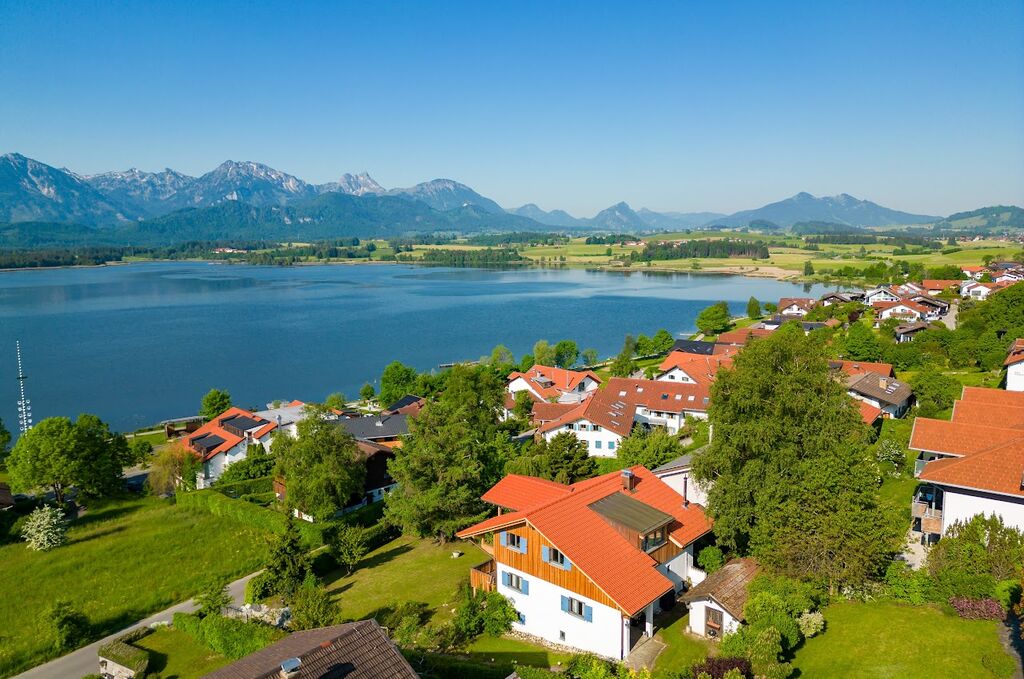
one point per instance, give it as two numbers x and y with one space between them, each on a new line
936 287
890 395
1015 366
775 322
384 429
1008 276
354 650
880 294
678 475
545 383
610 415
972 464
225 440
286 417
980 291
740 337
695 347
796 306
975 272
937 308
716 604
407 405
857 368
589 565
907 331
679 366
831 298
905 310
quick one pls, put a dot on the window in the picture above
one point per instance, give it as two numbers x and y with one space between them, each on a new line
514 542
561 635
595 427
556 557
611 445
654 539
597 444
577 608
522 618
516 582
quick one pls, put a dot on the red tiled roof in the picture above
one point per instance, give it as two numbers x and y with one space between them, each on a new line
699 367
620 569
972 269
999 469
743 335
561 380
958 438
993 396
974 412
517 492
1016 354
546 412
909 304
868 412
940 284
230 440
853 368
805 303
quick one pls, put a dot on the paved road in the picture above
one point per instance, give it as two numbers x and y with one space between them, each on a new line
83 661
950 318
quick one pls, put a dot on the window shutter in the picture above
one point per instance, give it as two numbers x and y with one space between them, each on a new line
504 576
565 604
567 565
526 586
502 539
522 545
522 619
588 613
544 553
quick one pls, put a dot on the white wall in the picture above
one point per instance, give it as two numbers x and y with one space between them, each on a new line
608 440
545 617
682 569
960 506
1015 377
676 375
696 623
676 479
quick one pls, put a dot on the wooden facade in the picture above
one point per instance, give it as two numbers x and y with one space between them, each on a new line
483 576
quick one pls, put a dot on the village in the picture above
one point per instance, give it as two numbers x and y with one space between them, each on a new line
812 484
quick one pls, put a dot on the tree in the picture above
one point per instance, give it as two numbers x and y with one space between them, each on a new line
45 529
68 626
649 448
566 353
543 353
711 559
257 464
396 381
792 478
322 465
809 268
289 564
714 319
312 607
934 392
5 441
623 365
753 308
662 341
175 466
526 362
523 408
567 459
58 453
590 357
862 344
349 546
140 451
214 403
366 392
501 356
974 554
335 401
212 598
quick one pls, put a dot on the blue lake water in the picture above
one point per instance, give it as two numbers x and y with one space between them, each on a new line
140 343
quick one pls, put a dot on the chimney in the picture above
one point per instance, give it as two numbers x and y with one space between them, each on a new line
686 485
380 421
628 480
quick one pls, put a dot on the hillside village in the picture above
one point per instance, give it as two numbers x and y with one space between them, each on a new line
740 503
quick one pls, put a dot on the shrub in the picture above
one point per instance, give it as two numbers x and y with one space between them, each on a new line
379 535
45 528
348 546
311 606
258 588
231 638
1000 665
977 609
264 484
764 610
889 454
212 598
811 623
906 584
1008 593
711 559
717 667
797 595
68 626
135 659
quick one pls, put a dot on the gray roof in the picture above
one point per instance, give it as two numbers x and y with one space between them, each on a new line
355 650
882 389
630 512
376 427
288 414
729 586
681 462
694 347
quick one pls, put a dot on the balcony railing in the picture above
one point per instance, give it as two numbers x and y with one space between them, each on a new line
484 576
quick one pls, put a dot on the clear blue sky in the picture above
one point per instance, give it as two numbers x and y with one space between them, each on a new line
675 106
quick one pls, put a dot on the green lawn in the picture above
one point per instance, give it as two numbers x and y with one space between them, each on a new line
156 438
125 560
501 651
405 569
883 640
176 655
681 649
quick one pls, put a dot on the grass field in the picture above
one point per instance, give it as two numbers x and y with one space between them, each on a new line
124 560
176 655
892 641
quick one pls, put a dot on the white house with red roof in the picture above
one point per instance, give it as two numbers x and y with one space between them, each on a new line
225 440
607 417
904 310
880 294
680 366
547 383
972 464
588 565
1015 366
796 306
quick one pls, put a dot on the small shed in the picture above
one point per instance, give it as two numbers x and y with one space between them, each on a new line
716 604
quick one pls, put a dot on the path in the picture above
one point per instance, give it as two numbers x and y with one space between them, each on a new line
644 654
950 318
83 661
1009 634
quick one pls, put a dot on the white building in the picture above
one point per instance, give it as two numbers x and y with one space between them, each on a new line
880 294
716 604
589 565
887 394
678 475
547 383
225 440
1015 367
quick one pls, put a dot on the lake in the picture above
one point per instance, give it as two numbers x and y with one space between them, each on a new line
139 343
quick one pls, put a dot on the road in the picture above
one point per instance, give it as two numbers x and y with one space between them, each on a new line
83 661
950 318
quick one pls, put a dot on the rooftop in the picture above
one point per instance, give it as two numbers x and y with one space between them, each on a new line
631 513
879 387
729 586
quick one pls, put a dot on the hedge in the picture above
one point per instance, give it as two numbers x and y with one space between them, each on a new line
230 637
250 514
264 484
436 666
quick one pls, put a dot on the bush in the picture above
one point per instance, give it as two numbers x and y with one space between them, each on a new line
1008 593
811 623
258 588
717 667
45 528
797 595
379 535
212 598
1000 665
311 606
711 559
890 453
261 499
764 610
250 514
264 484
231 638
68 626
977 609
348 546
135 659
903 583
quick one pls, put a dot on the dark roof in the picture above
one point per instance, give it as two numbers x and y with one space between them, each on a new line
243 423
355 650
911 327
6 499
681 462
207 442
729 586
406 400
630 512
376 427
694 347
882 389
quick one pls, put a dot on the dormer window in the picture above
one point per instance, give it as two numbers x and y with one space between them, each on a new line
654 539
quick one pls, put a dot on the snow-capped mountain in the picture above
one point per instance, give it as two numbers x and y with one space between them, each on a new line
149 193
447 194
249 182
353 184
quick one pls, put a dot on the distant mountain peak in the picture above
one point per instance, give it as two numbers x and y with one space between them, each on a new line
353 184
839 209
447 194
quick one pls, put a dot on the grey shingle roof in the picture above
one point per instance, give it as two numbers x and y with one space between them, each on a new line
375 427
729 586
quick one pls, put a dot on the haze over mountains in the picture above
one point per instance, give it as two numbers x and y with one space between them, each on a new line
249 200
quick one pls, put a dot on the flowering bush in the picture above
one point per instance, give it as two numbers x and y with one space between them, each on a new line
977 609
718 667
45 529
811 623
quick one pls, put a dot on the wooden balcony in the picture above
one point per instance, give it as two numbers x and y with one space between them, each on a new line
484 576
931 517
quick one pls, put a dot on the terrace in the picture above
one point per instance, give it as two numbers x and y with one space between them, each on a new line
483 577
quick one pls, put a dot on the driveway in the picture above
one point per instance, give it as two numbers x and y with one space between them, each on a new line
83 661
950 318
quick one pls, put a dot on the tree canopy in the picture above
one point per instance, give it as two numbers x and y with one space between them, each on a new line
214 403
649 448
714 319
862 344
566 353
397 380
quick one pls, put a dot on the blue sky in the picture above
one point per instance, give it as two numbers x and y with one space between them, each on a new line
674 106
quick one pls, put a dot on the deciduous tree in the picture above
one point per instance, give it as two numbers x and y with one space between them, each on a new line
45 529
543 353
753 308
649 448
714 319
623 364
566 353
862 344
335 401
174 467
348 547
366 392
214 403
590 356
396 381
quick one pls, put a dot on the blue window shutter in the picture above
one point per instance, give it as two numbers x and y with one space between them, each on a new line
522 619
526 586
502 539
504 578
588 613
565 604
522 545
567 565
544 553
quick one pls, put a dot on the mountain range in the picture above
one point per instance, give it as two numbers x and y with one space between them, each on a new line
250 200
